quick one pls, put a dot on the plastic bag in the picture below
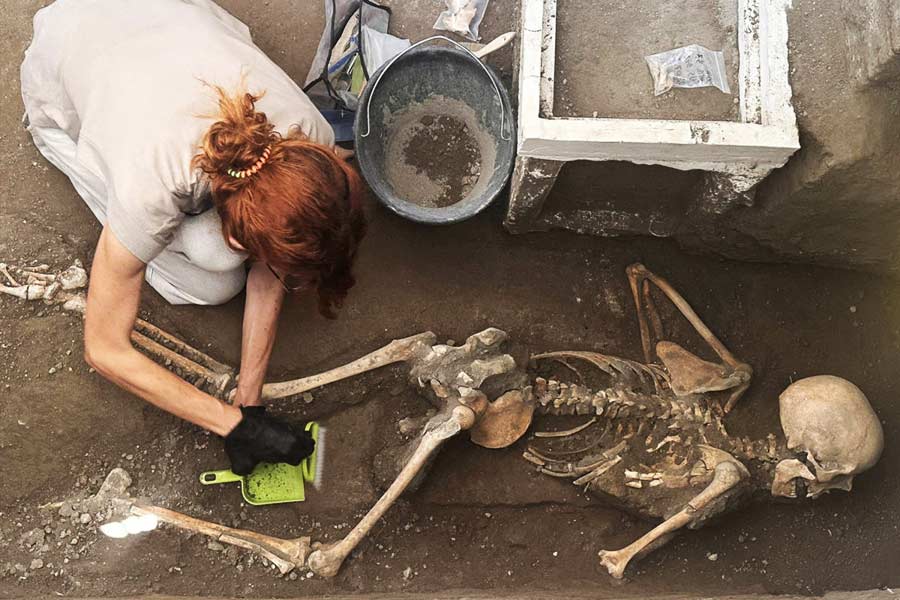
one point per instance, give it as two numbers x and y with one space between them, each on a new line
462 17
380 47
687 67
329 81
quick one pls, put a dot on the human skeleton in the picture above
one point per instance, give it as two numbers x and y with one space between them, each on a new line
654 442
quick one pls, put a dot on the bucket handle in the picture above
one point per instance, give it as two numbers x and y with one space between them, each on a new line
503 119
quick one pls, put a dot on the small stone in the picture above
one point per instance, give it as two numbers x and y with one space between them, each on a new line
215 546
713 557
407 573
853 309
307 397
32 539
51 371
742 538
408 425
36 564
309 575
487 515
73 541
293 576
85 518
555 554
129 457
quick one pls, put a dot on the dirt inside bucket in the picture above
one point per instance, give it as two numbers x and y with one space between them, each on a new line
437 153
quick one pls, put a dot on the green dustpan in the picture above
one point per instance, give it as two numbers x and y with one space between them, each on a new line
271 483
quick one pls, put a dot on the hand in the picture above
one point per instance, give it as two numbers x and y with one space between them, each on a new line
240 397
261 438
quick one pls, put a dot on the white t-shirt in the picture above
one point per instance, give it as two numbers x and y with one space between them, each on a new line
127 81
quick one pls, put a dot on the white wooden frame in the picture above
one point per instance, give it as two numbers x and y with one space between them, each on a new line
742 151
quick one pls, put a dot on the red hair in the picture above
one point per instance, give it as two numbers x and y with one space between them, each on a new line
301 213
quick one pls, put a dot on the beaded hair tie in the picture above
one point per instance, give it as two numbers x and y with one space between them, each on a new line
252 170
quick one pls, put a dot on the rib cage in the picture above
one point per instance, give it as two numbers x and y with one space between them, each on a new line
636 392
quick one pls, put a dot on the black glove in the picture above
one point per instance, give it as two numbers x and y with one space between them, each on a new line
260 438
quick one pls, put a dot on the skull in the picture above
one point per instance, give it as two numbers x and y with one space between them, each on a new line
831 421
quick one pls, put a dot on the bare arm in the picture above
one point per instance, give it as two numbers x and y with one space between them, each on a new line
113 297
265 295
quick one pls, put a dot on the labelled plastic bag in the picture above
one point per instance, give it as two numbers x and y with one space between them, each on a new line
462 17
687 67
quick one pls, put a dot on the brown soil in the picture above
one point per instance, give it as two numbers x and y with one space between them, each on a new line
482 519
437 154
600 52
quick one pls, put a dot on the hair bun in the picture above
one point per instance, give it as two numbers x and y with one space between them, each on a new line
238 138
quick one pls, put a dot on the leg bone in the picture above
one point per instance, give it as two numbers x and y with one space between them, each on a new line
152 331
638 276
219 381
402 350
285 554
727 475
327 560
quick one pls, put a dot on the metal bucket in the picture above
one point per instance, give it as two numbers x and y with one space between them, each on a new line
455 104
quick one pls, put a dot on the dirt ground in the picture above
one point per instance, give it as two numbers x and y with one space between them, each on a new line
601 70
482 519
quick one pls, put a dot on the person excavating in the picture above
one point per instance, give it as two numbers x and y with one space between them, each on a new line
199 156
